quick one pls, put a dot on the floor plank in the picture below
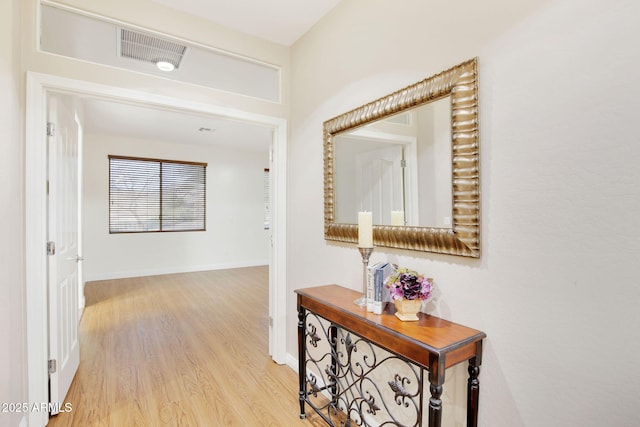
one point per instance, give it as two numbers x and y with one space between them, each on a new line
180 350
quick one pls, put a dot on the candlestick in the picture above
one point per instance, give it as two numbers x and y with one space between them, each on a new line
365 230
366 253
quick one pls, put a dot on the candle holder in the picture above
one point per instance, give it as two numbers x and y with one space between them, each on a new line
366 253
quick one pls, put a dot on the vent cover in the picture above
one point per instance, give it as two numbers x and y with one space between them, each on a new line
143 47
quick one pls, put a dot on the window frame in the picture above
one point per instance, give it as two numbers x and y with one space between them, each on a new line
160 193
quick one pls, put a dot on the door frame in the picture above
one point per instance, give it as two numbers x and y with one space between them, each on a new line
38 85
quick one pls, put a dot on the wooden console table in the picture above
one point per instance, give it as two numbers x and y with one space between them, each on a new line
364 368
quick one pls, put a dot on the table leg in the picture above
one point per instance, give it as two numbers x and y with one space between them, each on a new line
473 393
302 375
436 380
435 405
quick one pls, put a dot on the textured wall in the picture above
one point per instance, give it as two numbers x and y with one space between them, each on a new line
556 286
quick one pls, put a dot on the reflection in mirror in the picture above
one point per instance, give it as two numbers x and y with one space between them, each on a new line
398 168
418 174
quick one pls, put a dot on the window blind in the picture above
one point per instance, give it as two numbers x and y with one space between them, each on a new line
151 195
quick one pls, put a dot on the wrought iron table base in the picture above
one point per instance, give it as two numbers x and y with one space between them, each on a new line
349 380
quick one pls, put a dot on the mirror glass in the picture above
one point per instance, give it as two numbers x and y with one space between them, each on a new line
412 159
398 168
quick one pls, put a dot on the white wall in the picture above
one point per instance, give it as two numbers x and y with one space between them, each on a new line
12 322
556 287
235 236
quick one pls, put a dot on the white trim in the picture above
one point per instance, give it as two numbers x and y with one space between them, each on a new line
174 270
278 283
23 421
81 278
35 203
35 255
292 362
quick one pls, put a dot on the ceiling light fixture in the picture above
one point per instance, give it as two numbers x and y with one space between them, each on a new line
165 66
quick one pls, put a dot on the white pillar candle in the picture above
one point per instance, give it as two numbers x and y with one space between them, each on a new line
365 230
397 217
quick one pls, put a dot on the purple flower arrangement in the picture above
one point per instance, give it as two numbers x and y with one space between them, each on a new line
408 284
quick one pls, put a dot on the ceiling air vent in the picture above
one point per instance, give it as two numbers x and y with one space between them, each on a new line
143 47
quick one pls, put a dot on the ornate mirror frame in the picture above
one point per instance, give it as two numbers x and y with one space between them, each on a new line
463 238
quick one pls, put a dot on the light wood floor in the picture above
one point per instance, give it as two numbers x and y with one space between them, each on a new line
181 350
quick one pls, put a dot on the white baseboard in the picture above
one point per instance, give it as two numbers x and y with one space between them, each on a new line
172 270
292 362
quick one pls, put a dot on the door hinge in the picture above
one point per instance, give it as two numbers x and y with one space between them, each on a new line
52 366
51 248
51 129
403 163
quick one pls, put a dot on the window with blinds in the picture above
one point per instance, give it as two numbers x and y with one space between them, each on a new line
151 195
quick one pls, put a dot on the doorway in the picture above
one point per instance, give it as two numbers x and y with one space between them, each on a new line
38 87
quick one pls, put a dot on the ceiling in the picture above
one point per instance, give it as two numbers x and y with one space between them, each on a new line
279 21
143 122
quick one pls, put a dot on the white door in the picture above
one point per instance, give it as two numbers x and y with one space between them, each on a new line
63 202
380 182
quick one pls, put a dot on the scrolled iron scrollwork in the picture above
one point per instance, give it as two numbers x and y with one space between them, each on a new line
313 385
398 387
354 382
313 336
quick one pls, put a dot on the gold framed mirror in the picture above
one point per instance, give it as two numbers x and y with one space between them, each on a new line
411 157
